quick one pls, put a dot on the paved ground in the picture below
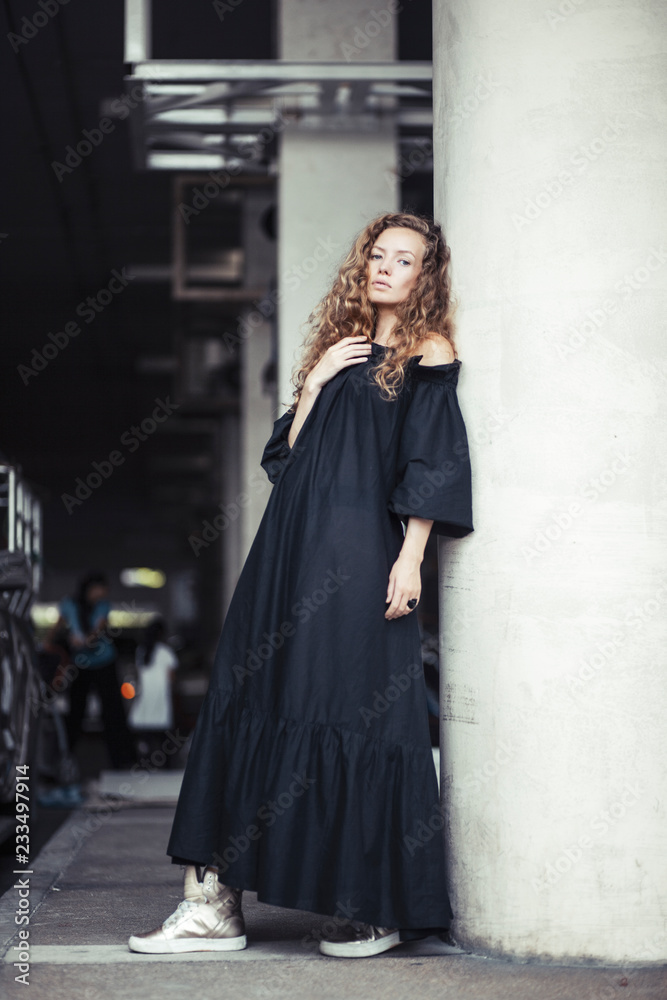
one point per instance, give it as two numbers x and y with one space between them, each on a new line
104 875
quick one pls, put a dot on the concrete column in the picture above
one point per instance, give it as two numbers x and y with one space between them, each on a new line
550 183
257 421
230 479
257 406
332 182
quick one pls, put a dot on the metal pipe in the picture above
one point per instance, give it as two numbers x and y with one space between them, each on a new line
137 30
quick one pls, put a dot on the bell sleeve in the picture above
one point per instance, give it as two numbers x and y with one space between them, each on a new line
433 468
277 449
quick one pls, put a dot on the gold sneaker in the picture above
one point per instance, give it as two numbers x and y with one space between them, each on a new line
357 940
209 918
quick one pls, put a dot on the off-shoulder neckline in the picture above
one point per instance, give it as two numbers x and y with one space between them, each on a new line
418 357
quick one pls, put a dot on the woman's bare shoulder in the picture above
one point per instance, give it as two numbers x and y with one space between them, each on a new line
436 350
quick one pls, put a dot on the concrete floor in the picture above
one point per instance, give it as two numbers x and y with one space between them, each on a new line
104 875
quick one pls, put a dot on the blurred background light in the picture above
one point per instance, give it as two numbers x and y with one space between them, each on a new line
141 576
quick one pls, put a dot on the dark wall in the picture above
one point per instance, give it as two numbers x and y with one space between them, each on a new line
66 233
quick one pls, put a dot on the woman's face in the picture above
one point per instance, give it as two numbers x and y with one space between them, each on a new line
394 265
96 592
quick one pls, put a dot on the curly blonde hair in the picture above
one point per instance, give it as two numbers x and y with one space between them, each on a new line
346 310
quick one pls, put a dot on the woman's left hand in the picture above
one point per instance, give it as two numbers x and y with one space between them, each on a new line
404 584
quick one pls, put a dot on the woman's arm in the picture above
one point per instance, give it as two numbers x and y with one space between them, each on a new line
342 354
99 628
405 577
69 614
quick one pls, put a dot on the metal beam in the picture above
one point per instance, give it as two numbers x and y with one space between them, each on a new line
138 40
277 70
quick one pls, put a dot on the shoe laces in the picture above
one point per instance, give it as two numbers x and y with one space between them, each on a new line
368 932
183 908
363 931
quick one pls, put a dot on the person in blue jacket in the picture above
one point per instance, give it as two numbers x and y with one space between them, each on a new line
93 655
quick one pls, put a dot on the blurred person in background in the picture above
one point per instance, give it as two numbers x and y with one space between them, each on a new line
151 714
84 616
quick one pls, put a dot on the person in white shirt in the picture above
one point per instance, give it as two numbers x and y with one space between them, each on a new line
151 712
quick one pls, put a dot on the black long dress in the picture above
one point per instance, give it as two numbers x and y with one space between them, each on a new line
310 777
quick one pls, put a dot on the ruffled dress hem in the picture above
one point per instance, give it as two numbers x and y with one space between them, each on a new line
312 833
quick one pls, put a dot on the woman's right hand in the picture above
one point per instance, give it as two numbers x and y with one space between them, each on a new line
342 354
346 352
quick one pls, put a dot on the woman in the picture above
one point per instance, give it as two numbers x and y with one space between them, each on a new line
311 777
85 616
151 712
